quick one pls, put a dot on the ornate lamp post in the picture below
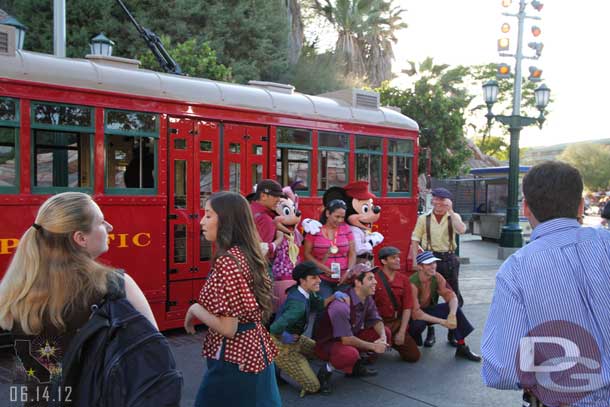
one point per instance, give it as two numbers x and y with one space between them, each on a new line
511 237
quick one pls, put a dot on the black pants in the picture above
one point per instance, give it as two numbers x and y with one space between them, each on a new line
449 267
464 328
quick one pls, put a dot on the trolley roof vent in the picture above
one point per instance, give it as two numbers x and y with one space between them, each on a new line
7 40
273 86
116 62
394 108
355 97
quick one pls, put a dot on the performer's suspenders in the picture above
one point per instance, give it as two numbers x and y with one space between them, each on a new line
449 229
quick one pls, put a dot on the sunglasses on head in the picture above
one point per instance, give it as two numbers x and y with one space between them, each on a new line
336 203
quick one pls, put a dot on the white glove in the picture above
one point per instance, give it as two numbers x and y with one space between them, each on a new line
311 226
265 248
375 238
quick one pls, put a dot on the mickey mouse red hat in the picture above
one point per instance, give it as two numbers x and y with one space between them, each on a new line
359 190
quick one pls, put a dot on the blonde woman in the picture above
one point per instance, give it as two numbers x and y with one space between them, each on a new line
52 282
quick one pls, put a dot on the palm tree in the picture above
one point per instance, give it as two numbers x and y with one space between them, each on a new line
366 31
348 18
382 35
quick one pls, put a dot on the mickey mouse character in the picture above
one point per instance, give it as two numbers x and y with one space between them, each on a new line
287 253
361 214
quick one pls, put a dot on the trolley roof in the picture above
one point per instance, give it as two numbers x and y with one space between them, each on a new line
120 78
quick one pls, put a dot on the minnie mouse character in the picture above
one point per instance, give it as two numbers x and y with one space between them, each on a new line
361 214
287 253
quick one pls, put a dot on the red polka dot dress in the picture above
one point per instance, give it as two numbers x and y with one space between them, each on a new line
228 292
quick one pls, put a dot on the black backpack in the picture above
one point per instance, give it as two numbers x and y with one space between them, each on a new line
119 359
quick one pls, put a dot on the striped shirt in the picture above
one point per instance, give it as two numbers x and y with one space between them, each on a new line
562 275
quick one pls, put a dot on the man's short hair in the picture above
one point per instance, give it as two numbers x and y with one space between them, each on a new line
553 190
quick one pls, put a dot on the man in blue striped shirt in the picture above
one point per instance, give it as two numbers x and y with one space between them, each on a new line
548 329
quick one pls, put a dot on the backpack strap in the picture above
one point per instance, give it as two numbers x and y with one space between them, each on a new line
97 321
428 237
72 357
388 289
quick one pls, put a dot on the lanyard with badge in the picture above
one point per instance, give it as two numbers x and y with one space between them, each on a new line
335 268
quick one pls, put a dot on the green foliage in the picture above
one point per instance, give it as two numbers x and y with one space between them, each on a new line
250 37
196 58
592 161
366 33
318 73
436 102
493 146
84 20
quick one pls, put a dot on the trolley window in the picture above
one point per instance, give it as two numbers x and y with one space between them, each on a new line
368 161
294 158
333 153
9 147
131 152
62 147
400 163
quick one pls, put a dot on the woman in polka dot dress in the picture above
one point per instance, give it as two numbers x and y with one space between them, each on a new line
234 302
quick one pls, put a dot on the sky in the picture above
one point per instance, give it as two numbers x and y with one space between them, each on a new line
575 35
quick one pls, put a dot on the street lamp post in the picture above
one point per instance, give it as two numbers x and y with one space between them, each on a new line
511 237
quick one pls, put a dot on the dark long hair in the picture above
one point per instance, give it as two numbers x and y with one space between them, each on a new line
236 228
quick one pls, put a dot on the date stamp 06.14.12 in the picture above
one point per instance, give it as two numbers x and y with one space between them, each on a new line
39 394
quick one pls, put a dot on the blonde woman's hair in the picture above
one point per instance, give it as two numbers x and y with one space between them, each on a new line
50 275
